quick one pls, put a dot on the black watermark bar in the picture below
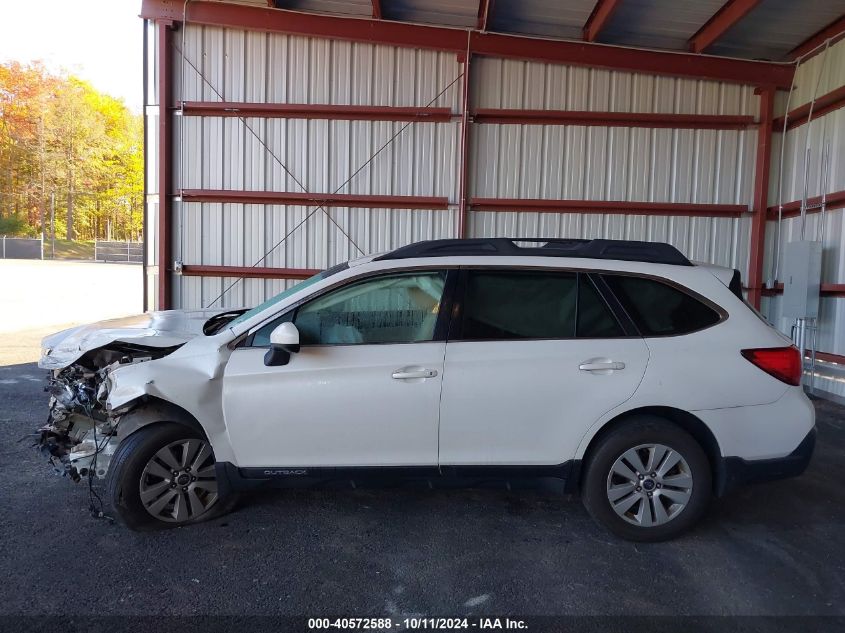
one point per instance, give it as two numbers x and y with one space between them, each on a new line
537 624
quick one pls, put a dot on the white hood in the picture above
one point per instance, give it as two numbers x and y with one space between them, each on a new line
152 329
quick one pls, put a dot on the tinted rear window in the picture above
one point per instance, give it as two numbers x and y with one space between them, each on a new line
594 317
659 309
519 305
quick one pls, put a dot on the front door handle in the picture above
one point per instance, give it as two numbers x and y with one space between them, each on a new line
408 373
605 366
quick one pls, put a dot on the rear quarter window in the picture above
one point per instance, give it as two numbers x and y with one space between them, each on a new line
659 309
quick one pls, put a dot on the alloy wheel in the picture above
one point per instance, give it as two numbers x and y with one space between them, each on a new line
178 484
649 485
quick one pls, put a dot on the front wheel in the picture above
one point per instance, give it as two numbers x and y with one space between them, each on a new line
163 476
647 480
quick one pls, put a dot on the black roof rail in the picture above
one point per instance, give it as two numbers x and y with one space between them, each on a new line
625 250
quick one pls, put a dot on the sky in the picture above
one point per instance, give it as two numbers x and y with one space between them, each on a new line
97 40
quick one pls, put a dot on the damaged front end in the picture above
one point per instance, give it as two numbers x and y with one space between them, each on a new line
80 435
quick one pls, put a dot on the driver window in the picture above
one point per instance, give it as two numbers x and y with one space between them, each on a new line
391 309
399 308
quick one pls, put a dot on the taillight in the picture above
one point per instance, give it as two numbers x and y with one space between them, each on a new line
784 363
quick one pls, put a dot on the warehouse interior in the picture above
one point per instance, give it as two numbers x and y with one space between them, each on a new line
284 137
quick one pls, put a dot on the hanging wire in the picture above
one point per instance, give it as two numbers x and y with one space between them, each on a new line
776 261
323 206
778 239
807 139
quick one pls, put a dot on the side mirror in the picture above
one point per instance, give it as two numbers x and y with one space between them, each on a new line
284 341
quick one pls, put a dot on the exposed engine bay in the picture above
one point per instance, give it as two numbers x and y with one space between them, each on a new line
80 435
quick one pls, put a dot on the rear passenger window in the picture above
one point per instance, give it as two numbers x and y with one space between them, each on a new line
519 305
594 317
658 309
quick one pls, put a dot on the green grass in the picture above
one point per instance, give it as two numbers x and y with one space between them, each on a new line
65 249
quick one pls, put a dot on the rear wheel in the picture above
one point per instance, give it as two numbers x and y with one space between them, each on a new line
647 480
163 476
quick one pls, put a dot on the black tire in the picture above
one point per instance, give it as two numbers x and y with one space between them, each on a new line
637 431
123 482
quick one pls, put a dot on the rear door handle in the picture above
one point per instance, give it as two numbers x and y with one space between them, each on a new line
601 366
407 373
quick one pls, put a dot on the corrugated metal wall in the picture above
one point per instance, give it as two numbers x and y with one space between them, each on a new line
829 128
519 161
306 155
612 163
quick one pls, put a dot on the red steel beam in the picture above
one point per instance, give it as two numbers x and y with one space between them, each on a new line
761 192
726 17
165 162
631 59
316 111
614 119
599 17
812 43
195 270
455 40
826 290
315 199
376 10
485 9
824 104
607 206
827 357
835 200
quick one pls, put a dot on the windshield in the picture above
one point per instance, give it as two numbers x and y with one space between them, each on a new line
287 293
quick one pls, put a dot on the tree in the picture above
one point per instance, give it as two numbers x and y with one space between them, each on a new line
59 135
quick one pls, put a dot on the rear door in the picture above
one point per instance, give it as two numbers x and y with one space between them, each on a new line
534 358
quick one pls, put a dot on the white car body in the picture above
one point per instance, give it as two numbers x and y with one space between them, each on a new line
476 404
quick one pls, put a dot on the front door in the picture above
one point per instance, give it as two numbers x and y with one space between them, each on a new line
537 357
364 390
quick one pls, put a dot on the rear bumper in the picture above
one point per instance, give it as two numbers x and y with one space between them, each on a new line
736 471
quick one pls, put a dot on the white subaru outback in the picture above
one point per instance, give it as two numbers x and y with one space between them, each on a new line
619 369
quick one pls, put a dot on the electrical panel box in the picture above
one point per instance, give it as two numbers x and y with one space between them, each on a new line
802 268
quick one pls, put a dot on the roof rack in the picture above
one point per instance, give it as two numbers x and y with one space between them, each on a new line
625 250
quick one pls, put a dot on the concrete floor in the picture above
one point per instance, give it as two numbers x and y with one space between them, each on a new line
39 297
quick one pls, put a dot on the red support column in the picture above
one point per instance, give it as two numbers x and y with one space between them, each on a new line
463 194
165 162
761 193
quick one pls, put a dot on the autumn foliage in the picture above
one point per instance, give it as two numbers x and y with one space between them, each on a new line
63 141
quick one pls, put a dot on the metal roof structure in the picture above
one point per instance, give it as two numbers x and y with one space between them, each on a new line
750 29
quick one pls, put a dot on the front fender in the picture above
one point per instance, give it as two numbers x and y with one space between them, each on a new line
191 383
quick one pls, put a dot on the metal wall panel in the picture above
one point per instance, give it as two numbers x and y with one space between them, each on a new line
505 83
571 162
241 235
830 128
830 64
357 157
598 163
234 65
613 163
722 241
